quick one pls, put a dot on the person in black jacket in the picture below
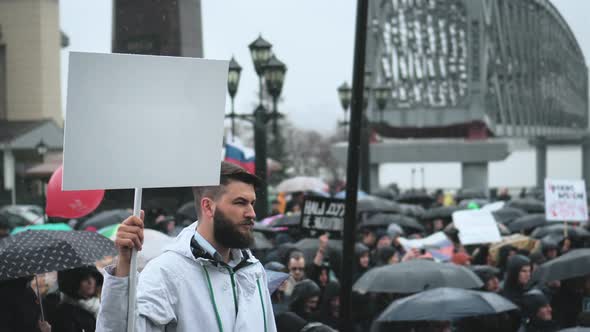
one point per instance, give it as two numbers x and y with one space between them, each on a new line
19 307
305 299
518 275
79 301
537 312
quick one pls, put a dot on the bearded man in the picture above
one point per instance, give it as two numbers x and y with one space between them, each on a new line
207 280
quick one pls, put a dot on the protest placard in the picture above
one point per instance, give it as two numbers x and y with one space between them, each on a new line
476 226
143 121
323 214
565 200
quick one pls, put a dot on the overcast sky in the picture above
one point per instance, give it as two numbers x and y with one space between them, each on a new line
314 38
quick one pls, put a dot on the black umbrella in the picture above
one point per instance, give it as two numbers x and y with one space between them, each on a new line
530 205
313 244
376 204
559 229
188 211
106 218
34 252
385 219
386 193
575 263
506 215
441 212
410 210
576 329
415 197
528 222
415 276
445 304
293 220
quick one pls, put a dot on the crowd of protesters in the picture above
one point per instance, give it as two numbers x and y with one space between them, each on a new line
309 299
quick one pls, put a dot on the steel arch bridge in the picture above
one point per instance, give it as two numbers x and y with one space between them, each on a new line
475 68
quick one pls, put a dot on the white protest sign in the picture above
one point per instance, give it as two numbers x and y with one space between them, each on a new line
565 200
491 207
436 240
139 121
476 226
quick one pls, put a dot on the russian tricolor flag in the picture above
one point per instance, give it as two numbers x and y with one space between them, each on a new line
237 153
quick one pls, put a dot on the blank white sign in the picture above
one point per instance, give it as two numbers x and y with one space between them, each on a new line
476 226
139 121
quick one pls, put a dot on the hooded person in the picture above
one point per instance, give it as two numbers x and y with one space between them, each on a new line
503 255
537 312
79 304
518 275
330 306
362 260
305 300
550 249
489 277
279 299
19 307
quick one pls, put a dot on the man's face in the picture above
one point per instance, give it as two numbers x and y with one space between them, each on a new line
525 275
311 304
551 253
297 268
233 220
545 313
493 285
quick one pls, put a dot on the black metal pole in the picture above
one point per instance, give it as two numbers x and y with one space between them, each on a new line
275 118
365 154
233 116
261 206
352 171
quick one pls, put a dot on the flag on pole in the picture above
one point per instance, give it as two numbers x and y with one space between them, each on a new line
237 153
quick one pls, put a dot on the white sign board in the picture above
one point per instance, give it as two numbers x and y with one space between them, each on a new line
565 200
491 207
139 121
437 240
476 226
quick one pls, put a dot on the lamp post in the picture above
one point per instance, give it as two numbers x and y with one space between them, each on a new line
381 94
41 148
345 94
274 75
233 79
260 50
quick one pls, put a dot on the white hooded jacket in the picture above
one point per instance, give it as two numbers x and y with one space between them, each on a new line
179 292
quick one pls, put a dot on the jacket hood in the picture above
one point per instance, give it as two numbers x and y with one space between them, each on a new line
513 267
303 290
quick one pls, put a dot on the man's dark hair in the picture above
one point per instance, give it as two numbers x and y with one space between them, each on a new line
229 172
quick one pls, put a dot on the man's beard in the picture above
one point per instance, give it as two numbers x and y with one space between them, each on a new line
228 234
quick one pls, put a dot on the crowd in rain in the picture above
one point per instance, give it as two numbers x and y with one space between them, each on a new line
411 271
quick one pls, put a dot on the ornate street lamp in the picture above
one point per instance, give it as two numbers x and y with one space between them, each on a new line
274 75
41 148
233 79
381 94
260 50
345 94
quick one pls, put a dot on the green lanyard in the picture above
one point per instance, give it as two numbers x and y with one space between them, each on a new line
212 296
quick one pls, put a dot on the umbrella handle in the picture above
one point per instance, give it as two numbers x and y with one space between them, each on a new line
133 269
40 300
